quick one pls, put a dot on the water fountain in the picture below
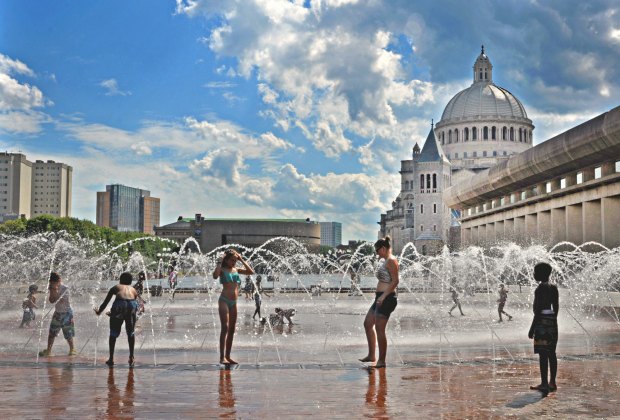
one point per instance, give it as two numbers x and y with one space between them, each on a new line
328 327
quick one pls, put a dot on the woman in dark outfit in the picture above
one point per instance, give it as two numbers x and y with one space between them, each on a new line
544 329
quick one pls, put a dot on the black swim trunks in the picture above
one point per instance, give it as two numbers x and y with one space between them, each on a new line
123 310
388 306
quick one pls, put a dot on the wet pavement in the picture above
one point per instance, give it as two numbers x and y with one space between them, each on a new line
62 388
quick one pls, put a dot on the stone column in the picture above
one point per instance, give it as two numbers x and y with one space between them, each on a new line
610 216
558 225
531 227
519 229
499 231
509 229
574 226
544 226
592 223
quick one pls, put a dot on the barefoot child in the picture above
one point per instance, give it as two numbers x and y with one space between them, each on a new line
124 309
63 316
503 296
544 329
28 306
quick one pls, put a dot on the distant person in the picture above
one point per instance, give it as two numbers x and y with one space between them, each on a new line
247 288
257 302
62 318
503 296
139 286
124 309
457 302
28 306
384 304
354 290
173 278
544 329
228 274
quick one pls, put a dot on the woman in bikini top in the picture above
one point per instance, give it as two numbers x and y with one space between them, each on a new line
228 274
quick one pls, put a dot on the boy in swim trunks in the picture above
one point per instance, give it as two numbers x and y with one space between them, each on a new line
63 316
124 309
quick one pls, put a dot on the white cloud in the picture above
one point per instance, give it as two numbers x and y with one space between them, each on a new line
220 85
112 89
18 100
220 165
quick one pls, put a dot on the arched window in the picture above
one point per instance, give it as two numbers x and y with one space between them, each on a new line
456 136
442 142
474 133
434 208
421 208
466 134
434 181
456 155
520 135
485 74
443 137
493 133
406 185
449 136
428 181
530 136
512 134
421 182
485 133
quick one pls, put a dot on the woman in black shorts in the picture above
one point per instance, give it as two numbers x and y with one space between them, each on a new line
384 304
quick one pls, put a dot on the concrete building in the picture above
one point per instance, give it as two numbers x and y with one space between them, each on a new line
33 189
127 209
51 188
481 126
212 233
331 234
564 189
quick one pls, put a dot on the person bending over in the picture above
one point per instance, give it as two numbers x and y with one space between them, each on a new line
124 309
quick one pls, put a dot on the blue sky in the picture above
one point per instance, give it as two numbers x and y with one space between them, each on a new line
278 108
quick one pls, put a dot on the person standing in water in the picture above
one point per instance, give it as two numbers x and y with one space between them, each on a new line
384 304
124 309
503 296
62 318
457 302
28 306
172 281
139 286
544 329
228 274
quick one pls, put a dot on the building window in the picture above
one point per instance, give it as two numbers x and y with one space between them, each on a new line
434 182
505 154
579 177
475 154
485 133
421 183
464 155
449 136
597 172
493 133
434 228
456 136
466 134
428 181
512 134
520 135
421 208
456 155
474 133
504 133
494 153
421 228
435 208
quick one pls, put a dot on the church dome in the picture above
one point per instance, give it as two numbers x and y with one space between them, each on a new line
483 100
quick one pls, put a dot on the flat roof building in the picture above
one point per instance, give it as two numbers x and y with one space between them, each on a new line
127 209
331 234
32 189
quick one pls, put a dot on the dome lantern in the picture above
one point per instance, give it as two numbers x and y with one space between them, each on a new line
483 69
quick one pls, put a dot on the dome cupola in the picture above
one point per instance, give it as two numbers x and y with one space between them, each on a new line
483 69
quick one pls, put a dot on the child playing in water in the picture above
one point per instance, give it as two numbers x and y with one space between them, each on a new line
544 329
139 286
63 316
28 305
503 296
124 309
257 302
457 302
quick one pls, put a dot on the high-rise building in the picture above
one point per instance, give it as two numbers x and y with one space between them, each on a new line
331 234
33 189
127 209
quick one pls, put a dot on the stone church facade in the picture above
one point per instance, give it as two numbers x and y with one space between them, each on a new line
480 127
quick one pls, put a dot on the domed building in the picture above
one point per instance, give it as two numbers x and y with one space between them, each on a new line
480 127
483 124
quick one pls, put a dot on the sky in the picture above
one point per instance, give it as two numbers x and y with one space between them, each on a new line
280 109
